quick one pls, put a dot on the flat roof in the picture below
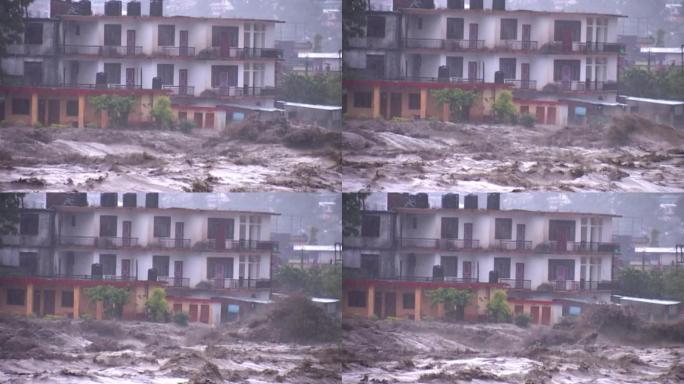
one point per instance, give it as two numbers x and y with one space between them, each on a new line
251 108
188 18
655 250
319 55
481 210
655 101
647 301
596 102
324 300
246 299
67 208
314 248
661 50
504 12
312 106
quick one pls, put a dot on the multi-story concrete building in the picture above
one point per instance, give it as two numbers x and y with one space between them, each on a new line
215 69
543 259
544 57
220 258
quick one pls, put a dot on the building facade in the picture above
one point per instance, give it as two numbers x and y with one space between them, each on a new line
542 57
202 63
199 256
541 258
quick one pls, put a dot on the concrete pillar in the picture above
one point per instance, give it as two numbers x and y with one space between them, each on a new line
418 303
81 112
99 310
376 102
445 113
371 301
423 103
29 299
77 302
34 108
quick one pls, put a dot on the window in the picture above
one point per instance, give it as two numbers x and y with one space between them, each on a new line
356 299
567 30
108 226
254 75
561 270
112 35
503 229
508 67
375 65
414 101
165 73
449 265
409 301
161 264
518 309
166 36
249 267
524 109
219 268
108 264
21 106
182 116
33 33
509 29
566 70
67 299
162 226
113 73
16 296
255 35
455 65
502 265
455 29
28 224
215 225
449 228
224 76
361 100
28 262
224 36
370 265
33 72
375 26
370 226
72 108
562 230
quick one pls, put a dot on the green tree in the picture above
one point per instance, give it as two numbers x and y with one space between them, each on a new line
157 307
504 109
322 280
497 308
352 205
673 284
454 300
10 205
117 107
12 16
162 113
458 100
318 89
113 299
353 20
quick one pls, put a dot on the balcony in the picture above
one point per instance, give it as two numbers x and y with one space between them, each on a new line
176 90
240 92
359 275
241 283
522 84
512 245
583 285
65 276
31 50
232 53
106 51
516 284
175 282
445 244
168 243
446 44
578 47
24 240
518 45
368 242
577 247
234 245
22 81
175 51
98 242
581 86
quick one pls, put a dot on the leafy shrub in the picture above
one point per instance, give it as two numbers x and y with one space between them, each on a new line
162 113
186 126
157 307
113 299
527 120
545 287
497 308
522 320
117 107
181 318
504 109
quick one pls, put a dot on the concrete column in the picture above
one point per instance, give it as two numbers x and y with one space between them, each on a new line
34 108
418 303
29 299
376 102
445 113
99 310
423 103
77 302
81 112
371 300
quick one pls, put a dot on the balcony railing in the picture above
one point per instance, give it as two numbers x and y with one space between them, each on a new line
240 53
522 84
240 91
419 243
230 245
453 244
368 242
21 81
241 283
175 282
516 284
65 276
513 245
448 44
31 50
177 90
98 242
169 243
583 285
175 51
100 50
518 45
578 47
24 240
412 278
361 74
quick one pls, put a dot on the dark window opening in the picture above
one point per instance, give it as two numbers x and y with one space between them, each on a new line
21 106
33 72
508 67
356 299
165 73
566 70
224 36
502 265
166 36
414 102
370 226
567 31
182 116
108 226
33 33
162 226
68 299
509 29
219 268
72 108
455 29
16 297
409 301
561 270
455 65
503 229
113 73
449 228
214 226
161 264
450 265
224 76
370 265
562 230
112 35
28 224
108 263
28 262
375 26
362 100
375 65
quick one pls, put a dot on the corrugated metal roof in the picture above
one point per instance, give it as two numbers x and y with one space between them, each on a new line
655 101
313 106
319 55
647 301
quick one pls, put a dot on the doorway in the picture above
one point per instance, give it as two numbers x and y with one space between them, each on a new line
178 273
130 78
49 304
125 269
468 235
519 275
520 236
390 304
474 30
183 50
180 234
127 232
182 82
526 37
525 75
395 105
130 42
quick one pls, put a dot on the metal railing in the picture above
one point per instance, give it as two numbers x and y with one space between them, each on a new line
448 44
229 245
241 283
452 244
31 50
513 245
103 50
175 51
412 278
419 243
583 285
24 240
98 242
170 243
518 45
368 242
516 283
240 53
522 84
180 90
571 246
231 91
66 276
175 282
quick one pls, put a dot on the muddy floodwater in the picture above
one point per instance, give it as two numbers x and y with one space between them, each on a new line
58 159
63 351
630 155
430 352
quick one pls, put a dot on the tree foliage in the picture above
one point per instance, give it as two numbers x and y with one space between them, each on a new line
504 109
352 205
454 300
162 113
10 205
319 281
657 283
353 20
317 89
458 100
662 84
113 299
117 107
157 307
497 308
12 16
